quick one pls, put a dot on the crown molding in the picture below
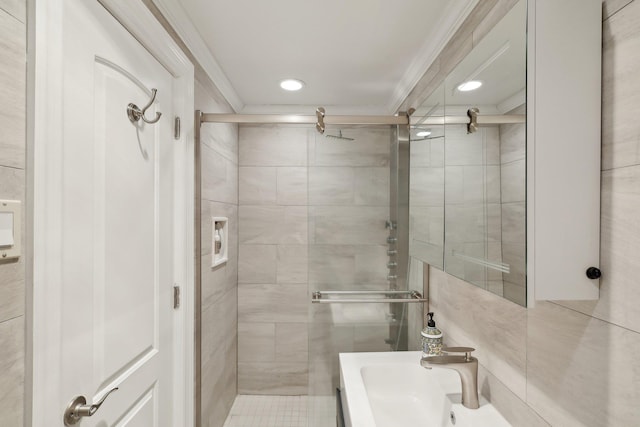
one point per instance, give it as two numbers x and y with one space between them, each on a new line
455 14
178 19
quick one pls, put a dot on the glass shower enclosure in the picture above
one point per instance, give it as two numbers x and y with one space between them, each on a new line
358 261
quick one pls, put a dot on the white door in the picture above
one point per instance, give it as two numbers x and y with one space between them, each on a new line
116 244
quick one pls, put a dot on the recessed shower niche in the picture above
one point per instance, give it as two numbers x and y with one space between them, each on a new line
220 241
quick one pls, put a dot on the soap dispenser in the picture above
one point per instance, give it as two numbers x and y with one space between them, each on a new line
431 339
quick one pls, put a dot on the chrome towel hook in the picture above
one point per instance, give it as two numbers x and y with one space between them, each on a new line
135 113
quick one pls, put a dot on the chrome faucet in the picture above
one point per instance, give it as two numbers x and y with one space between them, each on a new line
467 368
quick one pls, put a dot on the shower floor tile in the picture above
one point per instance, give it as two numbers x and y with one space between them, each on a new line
268 411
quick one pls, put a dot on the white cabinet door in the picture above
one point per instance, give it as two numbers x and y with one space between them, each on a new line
563 148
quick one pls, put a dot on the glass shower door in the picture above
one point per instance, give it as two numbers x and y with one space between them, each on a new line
349 199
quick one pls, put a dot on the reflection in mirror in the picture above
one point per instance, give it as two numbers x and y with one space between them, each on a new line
485 170
426 196
467 190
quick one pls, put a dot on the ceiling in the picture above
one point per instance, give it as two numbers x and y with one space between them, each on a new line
355 56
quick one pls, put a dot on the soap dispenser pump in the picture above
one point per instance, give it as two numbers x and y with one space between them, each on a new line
431 339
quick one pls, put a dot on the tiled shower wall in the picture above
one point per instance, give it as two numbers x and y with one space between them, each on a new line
272 275
572 363
219 164
12 186
341 217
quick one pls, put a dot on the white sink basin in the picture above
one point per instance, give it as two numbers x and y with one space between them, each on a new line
392 390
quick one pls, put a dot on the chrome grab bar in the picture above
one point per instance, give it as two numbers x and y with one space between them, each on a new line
321 297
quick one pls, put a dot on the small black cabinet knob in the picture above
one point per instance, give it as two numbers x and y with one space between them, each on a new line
593 273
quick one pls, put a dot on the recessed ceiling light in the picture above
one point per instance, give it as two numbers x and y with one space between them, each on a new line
291 84
423 133
470 85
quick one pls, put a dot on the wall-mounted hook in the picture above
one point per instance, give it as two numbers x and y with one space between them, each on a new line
135 113
320 123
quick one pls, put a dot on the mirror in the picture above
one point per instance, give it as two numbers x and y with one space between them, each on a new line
468 215
426 182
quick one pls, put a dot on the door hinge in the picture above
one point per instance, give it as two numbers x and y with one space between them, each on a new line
176 297
176 128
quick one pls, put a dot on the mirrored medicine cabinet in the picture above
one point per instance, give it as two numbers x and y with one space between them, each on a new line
505 158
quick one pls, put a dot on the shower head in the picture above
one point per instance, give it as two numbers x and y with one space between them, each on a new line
339 136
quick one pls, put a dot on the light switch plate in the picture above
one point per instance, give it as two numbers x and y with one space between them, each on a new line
13 208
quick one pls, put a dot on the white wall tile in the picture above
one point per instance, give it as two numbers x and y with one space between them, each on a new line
277 378
16 8
11 292
621 88
513 177
273 145
345 225
292 186
12 85
257 185
491 141
257 264
512 141
513 254
420 153
511 407
426 187
427 224
292 342
610 7
581 370
219 379
12 368
219 177
284 303
291 264
217 281
256 342
371 187
219 341
331 186
371 265
513 222
467 223
332 264
273 224
462 149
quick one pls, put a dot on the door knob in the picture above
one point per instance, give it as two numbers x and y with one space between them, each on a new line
78 408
